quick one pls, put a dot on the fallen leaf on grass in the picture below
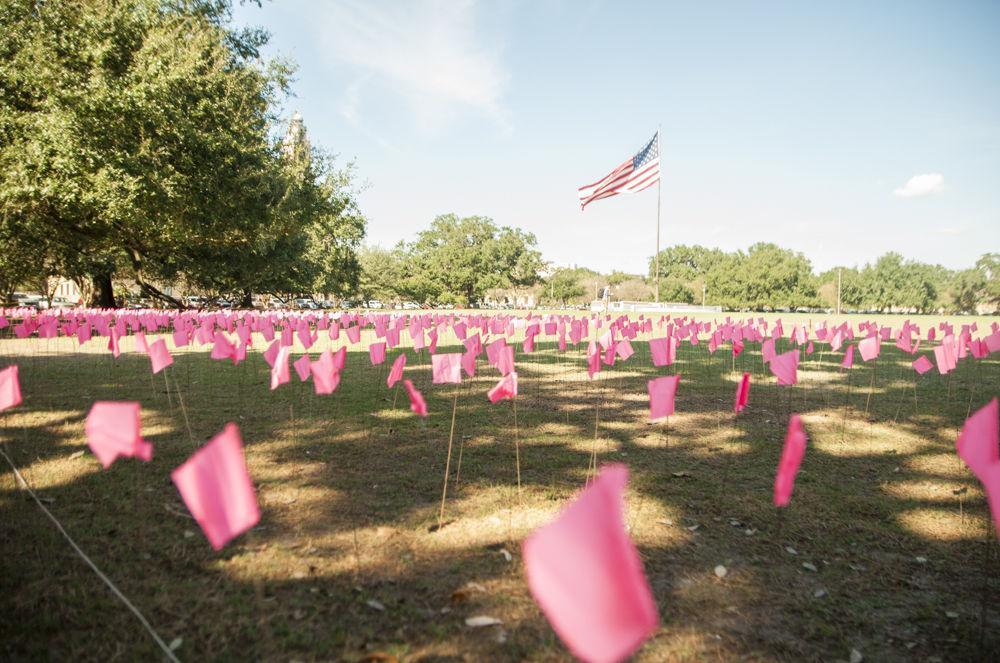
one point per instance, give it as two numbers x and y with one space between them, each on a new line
681 474
375 605
482 620
791 551
176 643
75 455
808 566
720 572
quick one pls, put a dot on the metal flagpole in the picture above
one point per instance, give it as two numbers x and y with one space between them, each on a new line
659 183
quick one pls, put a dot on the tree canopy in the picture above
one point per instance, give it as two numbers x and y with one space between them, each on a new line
137 137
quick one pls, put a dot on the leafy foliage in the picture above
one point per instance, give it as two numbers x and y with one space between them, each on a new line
136 138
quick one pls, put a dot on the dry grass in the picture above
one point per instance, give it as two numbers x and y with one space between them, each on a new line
349 488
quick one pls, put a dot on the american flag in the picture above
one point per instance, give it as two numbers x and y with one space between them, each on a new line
632 176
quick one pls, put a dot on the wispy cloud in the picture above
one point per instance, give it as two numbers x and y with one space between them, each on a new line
433 54
921 185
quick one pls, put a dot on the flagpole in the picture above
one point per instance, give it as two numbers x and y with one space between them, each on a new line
659 183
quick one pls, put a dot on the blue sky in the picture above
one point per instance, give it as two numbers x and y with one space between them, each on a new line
798 123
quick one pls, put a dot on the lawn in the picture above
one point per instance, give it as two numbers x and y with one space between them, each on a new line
885 548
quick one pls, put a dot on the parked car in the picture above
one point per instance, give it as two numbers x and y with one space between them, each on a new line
305 303
374 303
276 304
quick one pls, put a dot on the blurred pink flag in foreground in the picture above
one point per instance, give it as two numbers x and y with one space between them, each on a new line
113 430
791 458
661 396
585 574
10 388
979 446
216 487
417 402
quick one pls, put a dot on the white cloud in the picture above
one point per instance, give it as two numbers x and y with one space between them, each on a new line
433 53
921 185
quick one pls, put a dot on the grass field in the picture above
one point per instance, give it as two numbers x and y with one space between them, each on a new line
885 548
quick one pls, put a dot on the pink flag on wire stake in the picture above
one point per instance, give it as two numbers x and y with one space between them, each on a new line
869 348
325 375
396 372
848 357
376 352
216 487
159 356
791 458
113 430
279 371
447 368
302 367
10 388
979 446
661 396
785 367
417 402
505 388
742 394
922 364
586 575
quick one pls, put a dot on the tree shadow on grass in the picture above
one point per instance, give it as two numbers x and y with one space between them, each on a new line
343 564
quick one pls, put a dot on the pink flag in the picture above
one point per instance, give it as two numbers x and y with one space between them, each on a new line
302 367
159 356
944 354
791 458
10 388
447 368
505 359
767 352
396 372
271 354
113 430
586 575
848 357
663 350
216 487
624 349
376 351
325 375
113 343
922 364
661 396
742 394
785 367
417 402
140 342
469 363
506 388
869 348
279 371
223 348
979 446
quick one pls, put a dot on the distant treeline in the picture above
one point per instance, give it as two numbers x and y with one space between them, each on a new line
767 276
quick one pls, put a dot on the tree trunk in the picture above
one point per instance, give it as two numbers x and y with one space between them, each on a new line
104 294
247 301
